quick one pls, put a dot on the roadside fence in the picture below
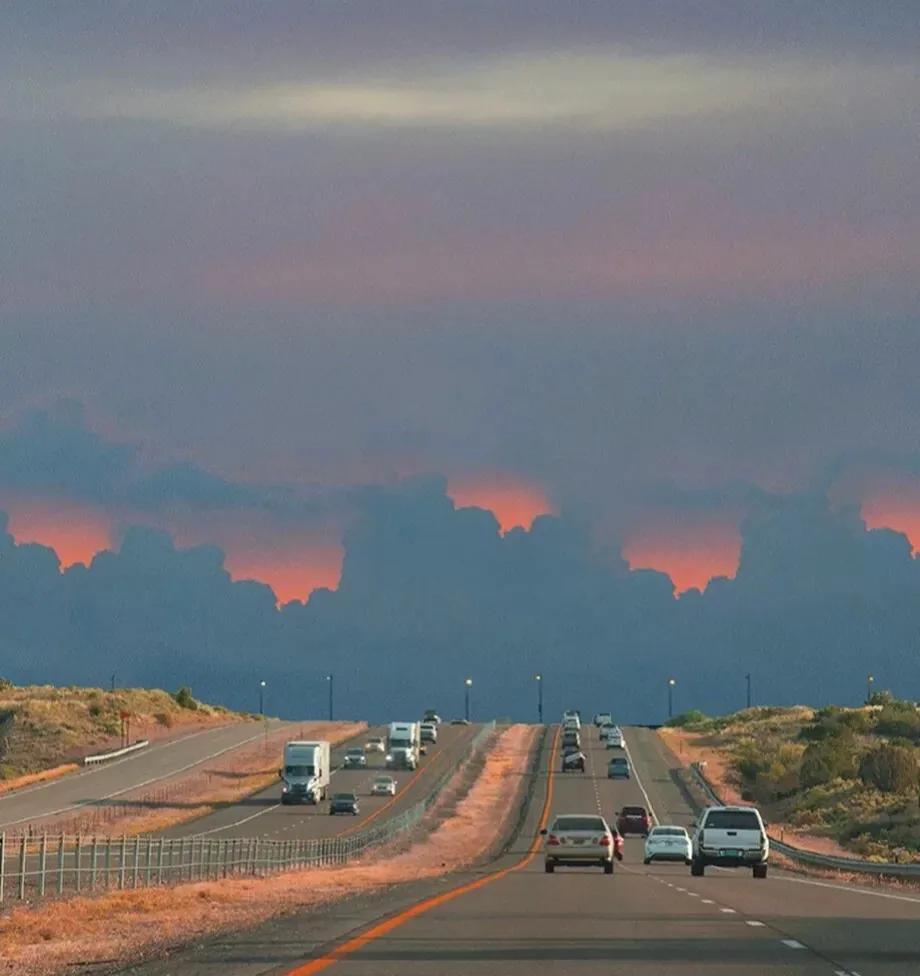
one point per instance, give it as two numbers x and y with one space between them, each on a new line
34 867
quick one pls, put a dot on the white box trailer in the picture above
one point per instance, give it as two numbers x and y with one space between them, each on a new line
404 745
306 771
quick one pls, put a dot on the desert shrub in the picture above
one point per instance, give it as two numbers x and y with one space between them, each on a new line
164 719
687 719
184 698
881 698
5 684
899 719
829 758
891 769
95 710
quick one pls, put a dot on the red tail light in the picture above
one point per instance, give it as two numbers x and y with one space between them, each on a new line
604 841
552 841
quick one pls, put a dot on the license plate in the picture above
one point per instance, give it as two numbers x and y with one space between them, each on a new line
731 853
578 840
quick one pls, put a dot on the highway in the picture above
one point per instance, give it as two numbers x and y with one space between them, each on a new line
262 814
67 795
509 918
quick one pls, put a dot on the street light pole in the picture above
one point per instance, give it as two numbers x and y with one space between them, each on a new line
261 698
748 679
869 680
468 684
671 683
331 681
539 680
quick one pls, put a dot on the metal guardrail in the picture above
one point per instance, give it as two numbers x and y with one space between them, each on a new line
856 865
126 750
36 867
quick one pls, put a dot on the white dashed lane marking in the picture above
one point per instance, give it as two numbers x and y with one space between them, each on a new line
753 924
792 943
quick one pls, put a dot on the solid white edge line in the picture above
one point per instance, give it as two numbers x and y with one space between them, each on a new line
635 772
754 924
792 943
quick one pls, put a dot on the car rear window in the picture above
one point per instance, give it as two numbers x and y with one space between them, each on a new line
633 811
669 832
344 797
619 761
733 820
579 823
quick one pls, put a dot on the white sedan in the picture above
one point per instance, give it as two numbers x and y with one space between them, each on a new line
375 744
384 786
668 843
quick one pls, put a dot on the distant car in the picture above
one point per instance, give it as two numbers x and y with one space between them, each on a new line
730 837
428 732
618 768
615 740
460 721
572 761
344 803
384 786
571 719
570 737
577 839
634 820
431 716
354 759
668 843
603 718
375 744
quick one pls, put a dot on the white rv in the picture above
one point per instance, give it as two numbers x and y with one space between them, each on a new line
403 745
306 771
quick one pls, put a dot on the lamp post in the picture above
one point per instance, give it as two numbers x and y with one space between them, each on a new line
869 680
539 679
468 684
671 683
331 681
262 698
748 679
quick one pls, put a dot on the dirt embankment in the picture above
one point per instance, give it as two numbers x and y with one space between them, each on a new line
45 731
125 926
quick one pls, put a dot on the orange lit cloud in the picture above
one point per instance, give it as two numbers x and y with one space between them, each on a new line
514 503
895 508
691 555
76 532
293 575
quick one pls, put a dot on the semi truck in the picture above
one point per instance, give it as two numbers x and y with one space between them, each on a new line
403 745
306 771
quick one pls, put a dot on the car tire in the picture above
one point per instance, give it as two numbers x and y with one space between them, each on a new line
647 860
549 867
608 867
688 861
760 870
697 869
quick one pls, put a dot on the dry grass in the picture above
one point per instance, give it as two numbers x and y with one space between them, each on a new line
125 926
30 779
44 727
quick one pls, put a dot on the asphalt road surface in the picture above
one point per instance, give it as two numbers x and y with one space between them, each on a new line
262 815
67 795
509 918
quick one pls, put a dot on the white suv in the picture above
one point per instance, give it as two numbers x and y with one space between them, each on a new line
730 837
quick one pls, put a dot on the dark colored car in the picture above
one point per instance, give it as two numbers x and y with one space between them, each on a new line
634 820
343 803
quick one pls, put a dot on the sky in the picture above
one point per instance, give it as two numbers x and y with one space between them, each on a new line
633 264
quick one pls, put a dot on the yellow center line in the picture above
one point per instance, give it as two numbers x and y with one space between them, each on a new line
358 942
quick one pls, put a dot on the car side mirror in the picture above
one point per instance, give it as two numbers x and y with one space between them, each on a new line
543 832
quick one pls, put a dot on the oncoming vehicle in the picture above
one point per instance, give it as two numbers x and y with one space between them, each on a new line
668 843
355 759
572 761
634 820
428 732
618 768
571 737
576 839
571 720
384 786
431 716
343 803
603 718
730 837
375 744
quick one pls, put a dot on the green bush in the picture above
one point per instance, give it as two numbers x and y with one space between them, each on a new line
830 758
5 684
184 698
891 769
900 720
685 719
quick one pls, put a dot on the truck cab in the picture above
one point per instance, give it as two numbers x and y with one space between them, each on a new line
305 773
